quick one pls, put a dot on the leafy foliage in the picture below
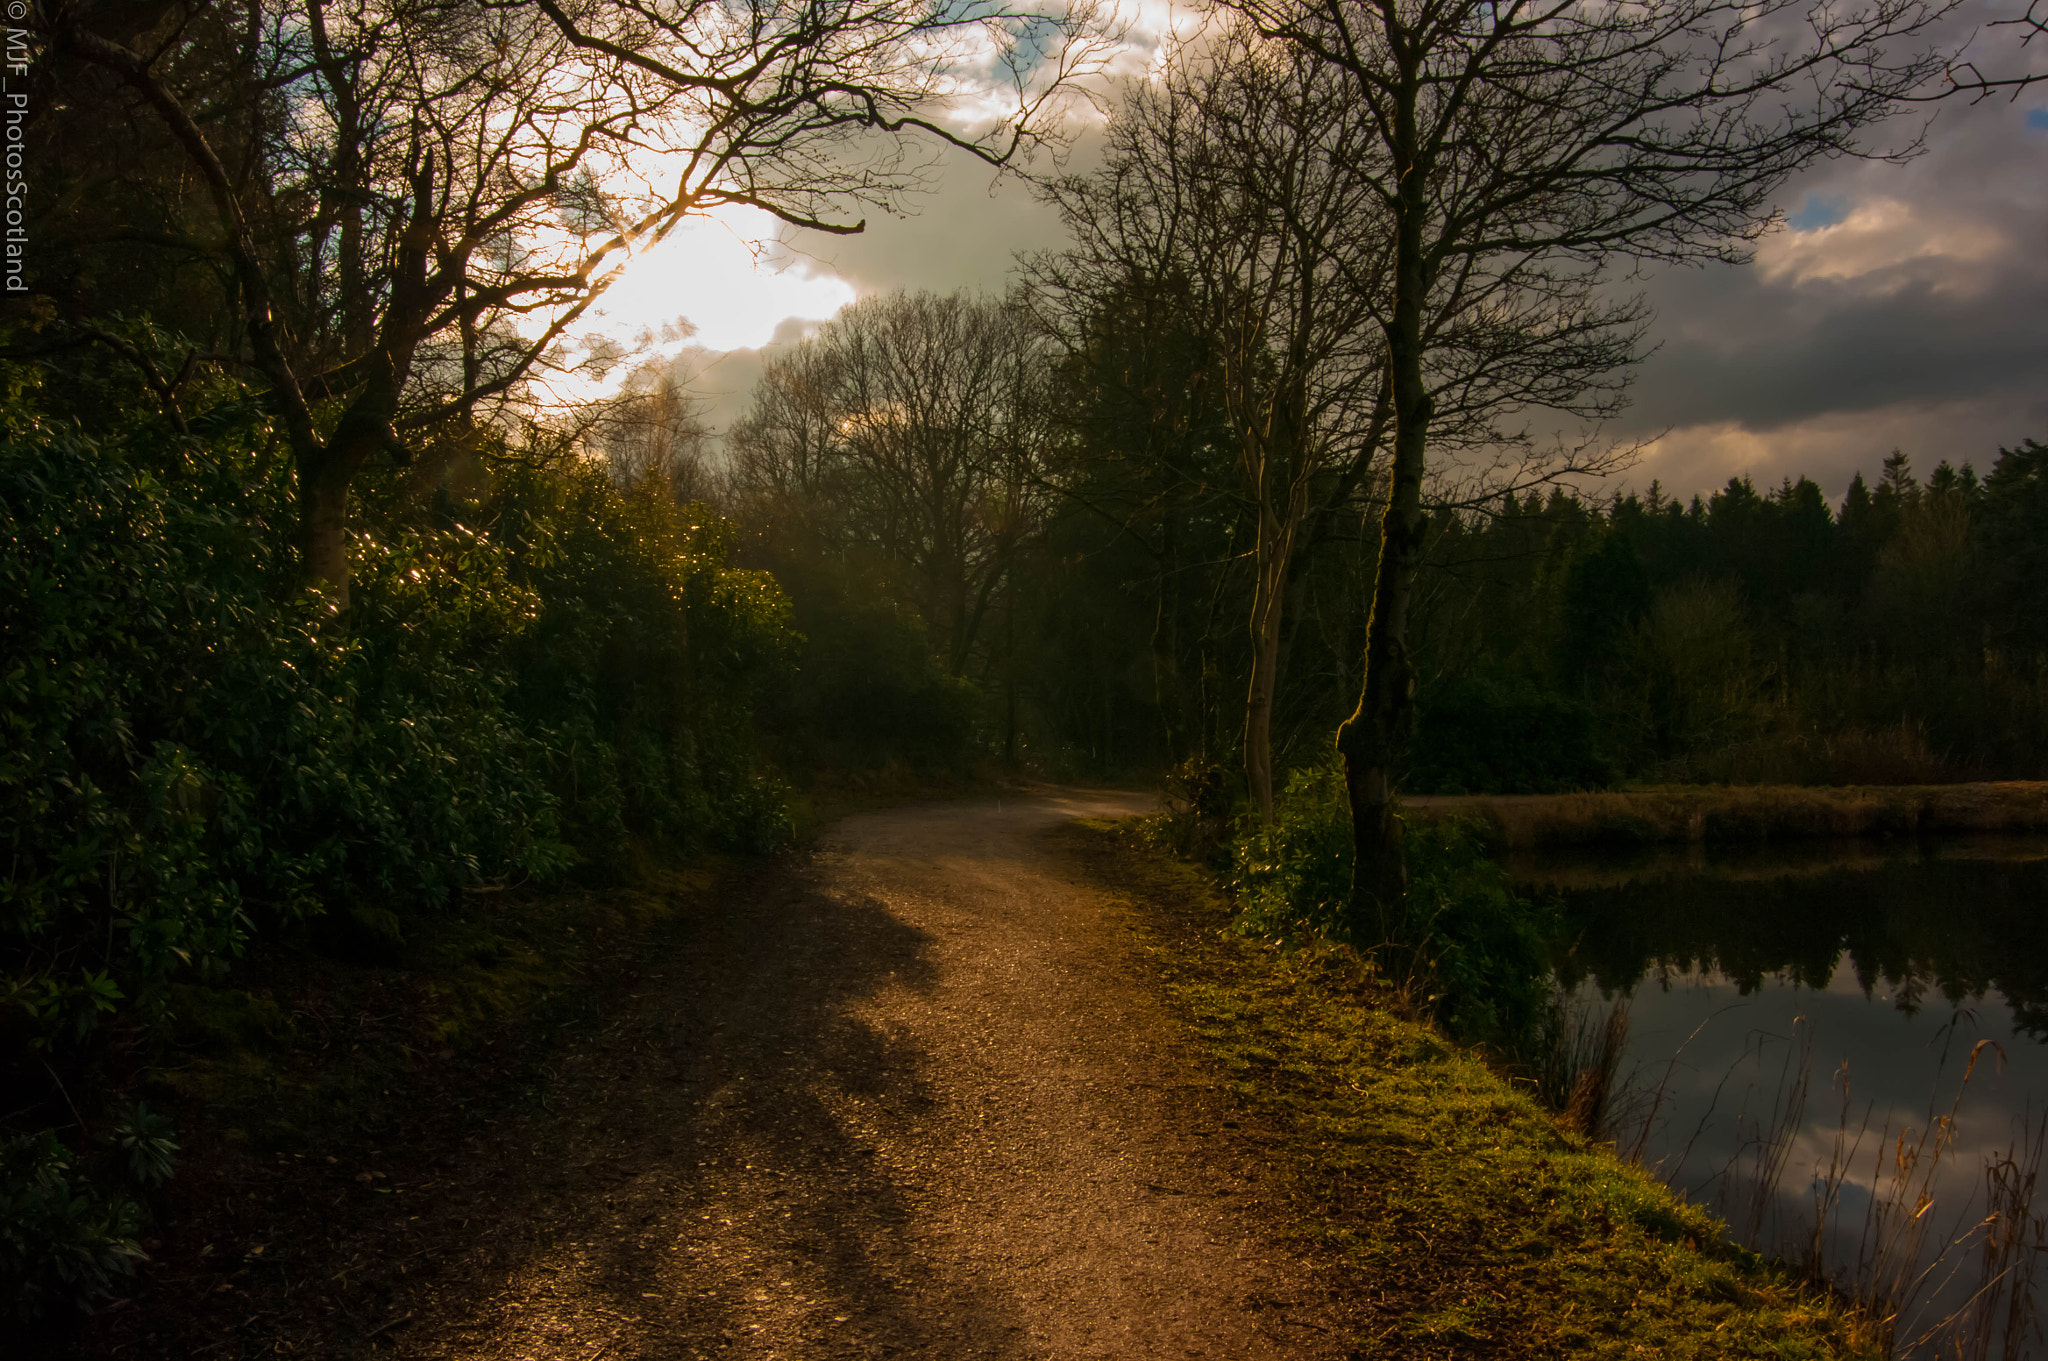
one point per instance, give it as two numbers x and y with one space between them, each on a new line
870 691
63 1239
196 753
1479 952
1485 948
1479 735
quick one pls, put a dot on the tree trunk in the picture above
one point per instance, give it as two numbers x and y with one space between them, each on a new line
1268 600
323 527
1167 688
1009 671
1374 738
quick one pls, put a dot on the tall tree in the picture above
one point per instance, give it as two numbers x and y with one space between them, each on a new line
414 202
912 429
1522 145
1231 189
1145 468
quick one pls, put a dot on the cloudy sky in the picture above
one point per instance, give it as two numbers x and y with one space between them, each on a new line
1901 305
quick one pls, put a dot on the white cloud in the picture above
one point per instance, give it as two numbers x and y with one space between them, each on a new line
1880 237
1833 446
714 272
714 283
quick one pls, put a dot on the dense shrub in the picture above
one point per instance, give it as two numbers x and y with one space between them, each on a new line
1485 947
1293 878
868 693
1478 951
194 751
1196 822
645 661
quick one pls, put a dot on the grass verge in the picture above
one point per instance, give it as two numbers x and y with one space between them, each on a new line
1431 1187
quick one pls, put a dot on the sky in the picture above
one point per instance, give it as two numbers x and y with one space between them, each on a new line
1900 306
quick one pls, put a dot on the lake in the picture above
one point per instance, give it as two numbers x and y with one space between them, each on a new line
1840 1048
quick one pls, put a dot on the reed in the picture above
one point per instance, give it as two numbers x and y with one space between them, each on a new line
1763 1147
1904 1269
2015 1238
1577 1065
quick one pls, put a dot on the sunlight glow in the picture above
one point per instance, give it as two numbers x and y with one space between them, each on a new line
711 284
714 272
717 283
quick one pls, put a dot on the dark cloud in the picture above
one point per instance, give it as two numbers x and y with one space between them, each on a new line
1912 310
964 234
1769 356
1907 304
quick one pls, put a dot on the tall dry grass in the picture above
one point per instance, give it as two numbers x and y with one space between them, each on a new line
1915 1248
1577 1064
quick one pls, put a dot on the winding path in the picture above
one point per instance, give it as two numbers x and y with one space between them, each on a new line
914 1098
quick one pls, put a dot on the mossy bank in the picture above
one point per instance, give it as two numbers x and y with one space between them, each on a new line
1444 1200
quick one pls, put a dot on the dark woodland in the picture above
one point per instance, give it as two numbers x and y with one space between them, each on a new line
324 626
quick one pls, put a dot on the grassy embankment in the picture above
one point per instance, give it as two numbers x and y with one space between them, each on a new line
1434 1188
1747 812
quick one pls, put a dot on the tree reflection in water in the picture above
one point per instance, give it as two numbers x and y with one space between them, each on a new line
1801 1019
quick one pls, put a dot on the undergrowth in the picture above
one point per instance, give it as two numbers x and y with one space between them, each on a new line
318 1044
1431 1186
1468 947
202 766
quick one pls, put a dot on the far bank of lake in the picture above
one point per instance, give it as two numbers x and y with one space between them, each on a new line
1748 813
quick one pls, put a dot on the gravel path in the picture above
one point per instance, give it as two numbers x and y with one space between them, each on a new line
914 1097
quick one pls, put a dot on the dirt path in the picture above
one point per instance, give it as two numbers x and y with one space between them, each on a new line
913 1099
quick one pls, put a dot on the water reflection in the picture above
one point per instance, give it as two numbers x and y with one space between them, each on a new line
1944 921
1801 1023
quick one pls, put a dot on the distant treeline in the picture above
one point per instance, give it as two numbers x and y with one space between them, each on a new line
1002 537
1747 637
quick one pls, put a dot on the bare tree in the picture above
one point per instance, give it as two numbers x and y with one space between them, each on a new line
1523 144
1249 178
912 429
430 194
654 434
1231 182
1964 76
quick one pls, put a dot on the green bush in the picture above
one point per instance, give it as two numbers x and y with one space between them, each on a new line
1196 823
1292 879
868 691
646 660
188 756
1478 950
1485 947
64 1239
195 751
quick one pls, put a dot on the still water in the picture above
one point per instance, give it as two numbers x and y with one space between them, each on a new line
1842 1050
